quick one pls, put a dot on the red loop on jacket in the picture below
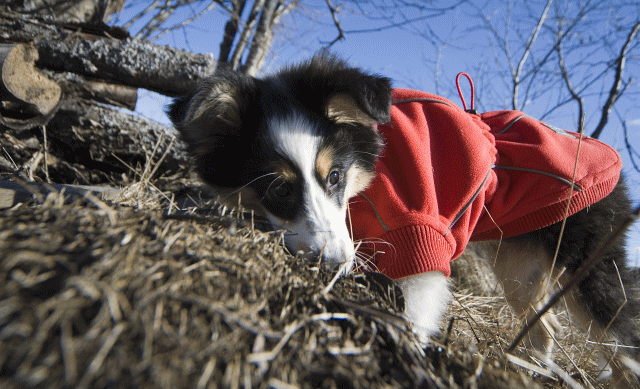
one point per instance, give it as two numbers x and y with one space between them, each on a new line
464 104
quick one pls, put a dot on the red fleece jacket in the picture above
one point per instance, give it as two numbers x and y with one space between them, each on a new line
447 176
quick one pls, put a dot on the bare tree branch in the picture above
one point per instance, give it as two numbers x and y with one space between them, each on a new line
131 62
334 14
527 51
263 37
247 29
187 21
391 13
230 31
633 154
614 93
137 17
152 25
565 77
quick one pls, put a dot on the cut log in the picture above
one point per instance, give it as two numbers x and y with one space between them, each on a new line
24 89
76 86
131 62
114 94
101 132
78 11
97 144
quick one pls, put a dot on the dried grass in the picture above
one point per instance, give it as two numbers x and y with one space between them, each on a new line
144 292
482 316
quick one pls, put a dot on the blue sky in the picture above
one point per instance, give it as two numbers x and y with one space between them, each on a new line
396 53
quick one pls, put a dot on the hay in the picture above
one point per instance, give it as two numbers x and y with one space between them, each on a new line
145 292
99 295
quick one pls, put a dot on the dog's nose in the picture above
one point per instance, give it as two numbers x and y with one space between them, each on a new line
343 265
336 253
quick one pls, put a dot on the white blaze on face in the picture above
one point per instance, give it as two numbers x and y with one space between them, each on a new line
320 227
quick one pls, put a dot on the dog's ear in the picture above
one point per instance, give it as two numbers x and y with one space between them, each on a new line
212 111
209 122
342 108
346 94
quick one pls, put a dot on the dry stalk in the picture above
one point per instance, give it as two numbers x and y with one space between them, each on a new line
46 154
566 213
291 330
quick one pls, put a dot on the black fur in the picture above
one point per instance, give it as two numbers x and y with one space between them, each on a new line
315 82
233 151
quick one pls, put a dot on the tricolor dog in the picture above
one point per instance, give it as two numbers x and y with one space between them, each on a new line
401 181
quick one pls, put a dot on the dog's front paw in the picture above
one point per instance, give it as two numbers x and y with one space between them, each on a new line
426 299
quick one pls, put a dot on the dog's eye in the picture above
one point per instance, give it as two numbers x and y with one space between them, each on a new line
283 190
334 177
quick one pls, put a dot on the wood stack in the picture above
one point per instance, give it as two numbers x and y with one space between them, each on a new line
65 77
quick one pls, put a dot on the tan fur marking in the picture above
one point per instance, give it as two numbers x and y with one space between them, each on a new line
284 171
342 108
324 162
358 179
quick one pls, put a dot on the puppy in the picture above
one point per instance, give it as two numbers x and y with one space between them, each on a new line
307 149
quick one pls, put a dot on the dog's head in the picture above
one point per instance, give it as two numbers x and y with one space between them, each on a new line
295 146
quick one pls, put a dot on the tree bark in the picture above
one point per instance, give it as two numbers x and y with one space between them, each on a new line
75 86
83 142
130 62
134 63
102 133
88 144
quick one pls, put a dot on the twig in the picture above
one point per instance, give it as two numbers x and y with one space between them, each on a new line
102 354
495 258
468 312
336 22
614 93
604 332
555 368
573 384
12 161
291 330
632 152
46 154
529 366
525 55
574 95
342 270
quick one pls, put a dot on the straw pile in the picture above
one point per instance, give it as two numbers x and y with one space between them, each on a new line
132 293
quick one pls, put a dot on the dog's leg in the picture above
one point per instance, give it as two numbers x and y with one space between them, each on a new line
426 298
607 302
523 268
